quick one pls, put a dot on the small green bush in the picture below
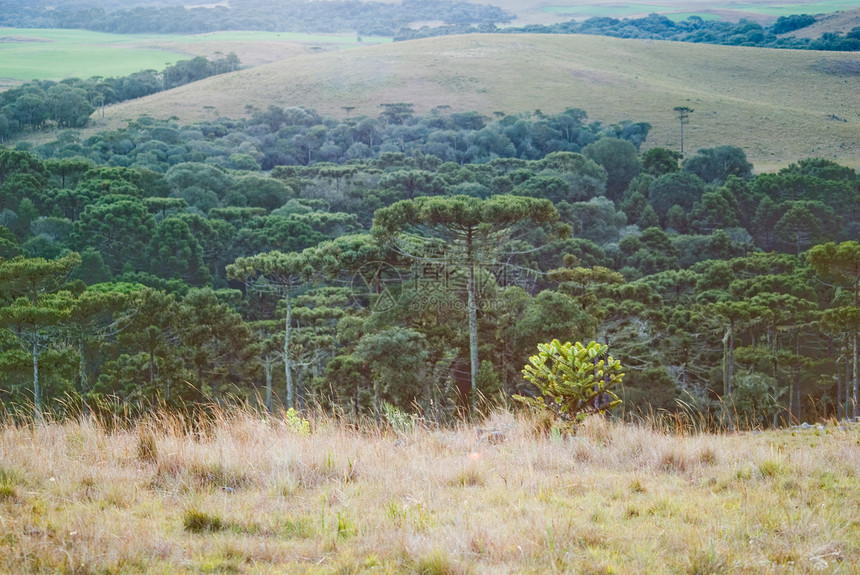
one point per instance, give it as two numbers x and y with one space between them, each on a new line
197 521
296 423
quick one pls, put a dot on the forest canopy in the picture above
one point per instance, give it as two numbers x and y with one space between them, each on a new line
217 261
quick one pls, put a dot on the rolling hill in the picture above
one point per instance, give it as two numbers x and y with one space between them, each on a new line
778 105
837 22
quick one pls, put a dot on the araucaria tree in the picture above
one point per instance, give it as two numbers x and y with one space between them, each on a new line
467 232
37 309
281 273
840 264
683 116
573 379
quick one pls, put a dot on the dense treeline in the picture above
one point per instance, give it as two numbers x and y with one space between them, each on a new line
659 27
395 19
408 278
296 136
70 103
369 18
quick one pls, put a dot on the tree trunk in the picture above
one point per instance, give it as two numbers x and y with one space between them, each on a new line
300 397
82 367
355 403
856 397
856 400
377 407
151 366
838 392
37 392
473 326
290 399
797 373
267 367
847 397
731 366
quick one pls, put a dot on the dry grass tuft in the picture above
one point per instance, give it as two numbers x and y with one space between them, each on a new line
147 448
239 493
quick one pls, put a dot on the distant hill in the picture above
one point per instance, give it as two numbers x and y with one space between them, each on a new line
778 105
837 22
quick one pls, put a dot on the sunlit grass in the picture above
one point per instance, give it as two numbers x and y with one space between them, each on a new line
247 494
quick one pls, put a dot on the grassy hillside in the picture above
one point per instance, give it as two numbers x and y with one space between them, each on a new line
838 22
778 105
247 495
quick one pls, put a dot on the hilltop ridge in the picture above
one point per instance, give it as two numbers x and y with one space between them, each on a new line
778 105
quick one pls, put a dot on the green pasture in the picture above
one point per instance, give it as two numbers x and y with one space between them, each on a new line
777 9
51 54
55 54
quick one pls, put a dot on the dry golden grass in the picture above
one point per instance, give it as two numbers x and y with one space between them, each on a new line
248 495
778 105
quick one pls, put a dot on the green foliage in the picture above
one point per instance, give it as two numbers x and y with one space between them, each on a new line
755 399
717 164
619 158
399 420
573 380
466 277
296 423
660 161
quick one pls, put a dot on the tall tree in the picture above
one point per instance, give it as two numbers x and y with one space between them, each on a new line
683 117
466 232
620 158
36 312
174 252
840 263
283 274
219 343
97 314
731 315
120 230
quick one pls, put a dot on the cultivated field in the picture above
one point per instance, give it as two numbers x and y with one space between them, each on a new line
50 54
778 105
27 54
247 495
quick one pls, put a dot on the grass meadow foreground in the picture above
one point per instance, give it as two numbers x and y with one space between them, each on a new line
249 495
